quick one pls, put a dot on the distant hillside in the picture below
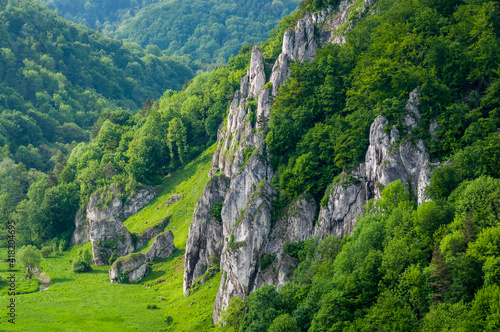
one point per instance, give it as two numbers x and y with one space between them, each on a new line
209 31
57 77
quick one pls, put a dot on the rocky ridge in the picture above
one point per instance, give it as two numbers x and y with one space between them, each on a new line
241 162
387 159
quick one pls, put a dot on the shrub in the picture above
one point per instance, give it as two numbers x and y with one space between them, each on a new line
216 211
123 277
63 245
266 261
152 306
80 266
46 251
293 248
169 320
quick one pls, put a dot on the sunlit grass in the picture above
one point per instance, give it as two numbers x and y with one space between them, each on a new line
188 181
88 301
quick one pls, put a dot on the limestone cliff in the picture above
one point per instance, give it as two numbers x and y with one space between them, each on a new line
246 234
388 159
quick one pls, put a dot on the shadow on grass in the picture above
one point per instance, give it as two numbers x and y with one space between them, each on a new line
100 271
60 280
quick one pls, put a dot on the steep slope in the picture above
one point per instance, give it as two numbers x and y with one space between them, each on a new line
243 158
286 140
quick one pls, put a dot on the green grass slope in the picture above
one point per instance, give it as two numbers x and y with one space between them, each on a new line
188 181
83 302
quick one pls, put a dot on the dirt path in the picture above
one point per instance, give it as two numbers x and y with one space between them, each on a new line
44 281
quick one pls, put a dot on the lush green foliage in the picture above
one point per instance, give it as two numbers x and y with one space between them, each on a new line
320 121
29 257
57 77
82 301
81 263
208 31
125 150
404 268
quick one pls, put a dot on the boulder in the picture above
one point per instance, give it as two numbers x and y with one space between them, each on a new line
135 265
162 247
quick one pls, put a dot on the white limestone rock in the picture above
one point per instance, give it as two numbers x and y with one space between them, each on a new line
135 265
162 247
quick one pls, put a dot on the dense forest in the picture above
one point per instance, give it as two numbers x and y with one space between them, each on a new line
69 126
57 77
125 149
209 31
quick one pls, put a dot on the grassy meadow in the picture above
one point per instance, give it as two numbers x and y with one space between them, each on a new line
88 301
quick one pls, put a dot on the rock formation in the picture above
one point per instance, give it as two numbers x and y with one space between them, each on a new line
162 247
386 161
151 232
103 222
241 160
205 239
134 266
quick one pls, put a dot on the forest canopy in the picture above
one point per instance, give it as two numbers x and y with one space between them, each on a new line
208 31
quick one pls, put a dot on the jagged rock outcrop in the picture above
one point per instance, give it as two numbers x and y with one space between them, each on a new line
242 156
296 224
246 218
135 265
162 247
386 160
103 222
301 43
205 240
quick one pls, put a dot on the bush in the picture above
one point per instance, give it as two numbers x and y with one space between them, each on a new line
169 320
46 251
266 261
63 245
216 211
80 266
153 306
293 248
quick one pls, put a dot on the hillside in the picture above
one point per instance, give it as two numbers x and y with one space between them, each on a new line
353 180
208 31
57 78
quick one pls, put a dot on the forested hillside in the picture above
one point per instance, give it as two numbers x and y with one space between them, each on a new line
405 267
285 154
57 78
209 31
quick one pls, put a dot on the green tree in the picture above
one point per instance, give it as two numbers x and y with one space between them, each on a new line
30 257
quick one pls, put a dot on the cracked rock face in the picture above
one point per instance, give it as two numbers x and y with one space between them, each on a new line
135 265
103 224
296 224
205 238
246 218
246 233
162 247
385 162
